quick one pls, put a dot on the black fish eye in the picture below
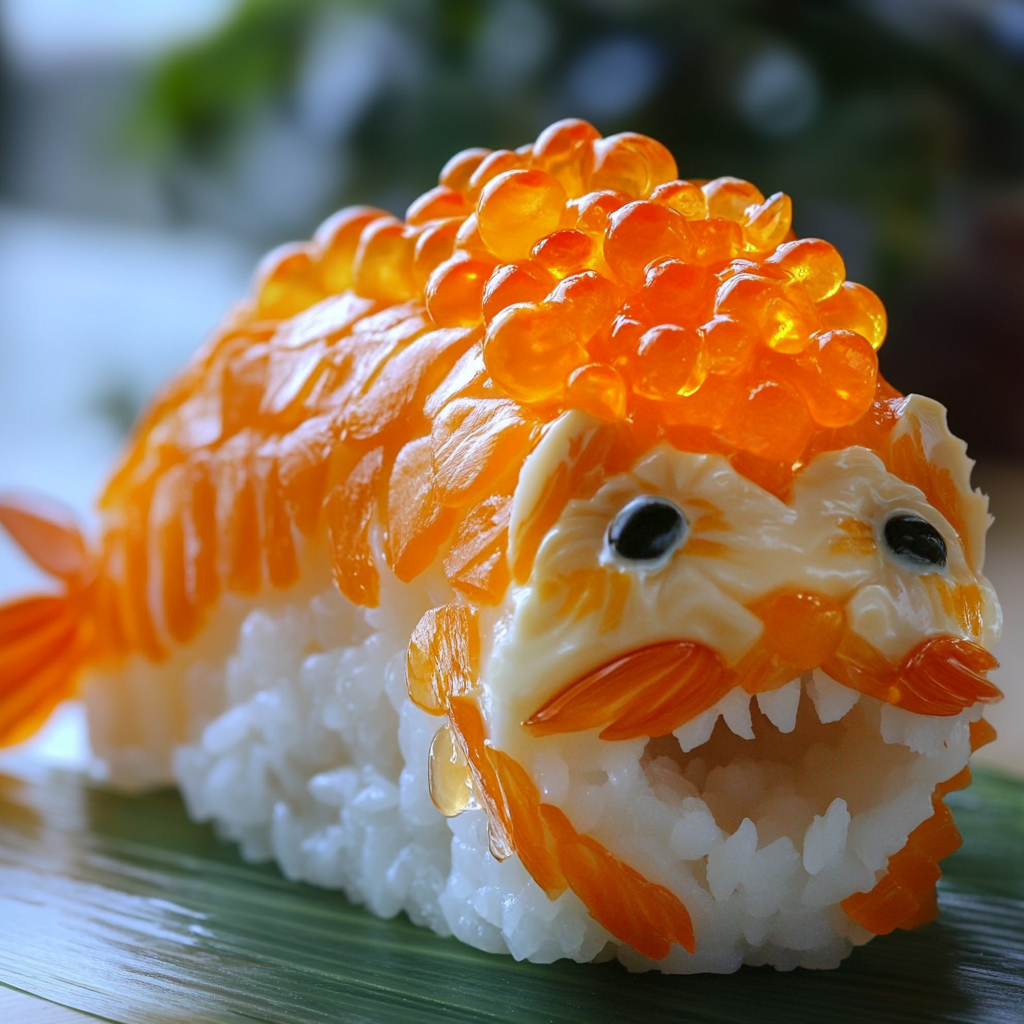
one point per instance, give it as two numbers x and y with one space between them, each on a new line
647 529
915 540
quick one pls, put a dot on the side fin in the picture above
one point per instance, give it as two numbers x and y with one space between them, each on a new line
44 638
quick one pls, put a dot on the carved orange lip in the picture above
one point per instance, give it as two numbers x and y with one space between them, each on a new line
653 690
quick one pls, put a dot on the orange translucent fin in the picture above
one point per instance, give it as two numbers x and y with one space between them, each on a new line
647 916
982 733
646 692
349 512
41 641
47 532
905 896
532 839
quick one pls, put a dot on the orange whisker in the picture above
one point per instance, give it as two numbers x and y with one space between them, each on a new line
646 692
941 676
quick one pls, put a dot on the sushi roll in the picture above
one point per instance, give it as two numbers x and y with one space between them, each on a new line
552 565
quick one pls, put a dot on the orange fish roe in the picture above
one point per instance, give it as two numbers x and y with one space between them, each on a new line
409 366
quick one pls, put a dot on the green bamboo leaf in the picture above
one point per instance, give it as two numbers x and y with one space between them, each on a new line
122 907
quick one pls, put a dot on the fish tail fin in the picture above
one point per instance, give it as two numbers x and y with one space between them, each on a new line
44 638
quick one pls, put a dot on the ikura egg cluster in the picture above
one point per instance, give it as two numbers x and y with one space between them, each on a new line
604 282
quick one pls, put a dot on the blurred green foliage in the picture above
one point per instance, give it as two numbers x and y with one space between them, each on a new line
881 129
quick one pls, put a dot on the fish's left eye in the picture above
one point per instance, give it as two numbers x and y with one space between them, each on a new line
647 530
915 540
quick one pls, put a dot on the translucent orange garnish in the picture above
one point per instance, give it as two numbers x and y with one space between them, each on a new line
382 268
442 659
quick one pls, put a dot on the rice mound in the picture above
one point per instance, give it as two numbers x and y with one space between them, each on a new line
304 748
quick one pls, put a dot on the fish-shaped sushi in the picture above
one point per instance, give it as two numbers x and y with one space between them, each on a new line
553 565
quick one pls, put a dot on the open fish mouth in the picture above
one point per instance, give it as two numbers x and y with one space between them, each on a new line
768 813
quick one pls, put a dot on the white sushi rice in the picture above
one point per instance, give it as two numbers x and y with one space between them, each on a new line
292 732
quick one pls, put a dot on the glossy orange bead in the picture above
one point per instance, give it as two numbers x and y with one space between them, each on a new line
684 197
786 319
675 292
498 162
594 209
669 362
771 420
813 263
433 246
768 223
643 232
837 377
439 203
531 350
383 263
565 151
563 251
287 282
631 163
716 240
856 308
516 209
728 344
730 197
598 389
468 239
514 283
591 301
455 291
456 173
335 244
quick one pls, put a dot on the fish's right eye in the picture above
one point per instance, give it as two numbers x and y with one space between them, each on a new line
915 540
647 530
